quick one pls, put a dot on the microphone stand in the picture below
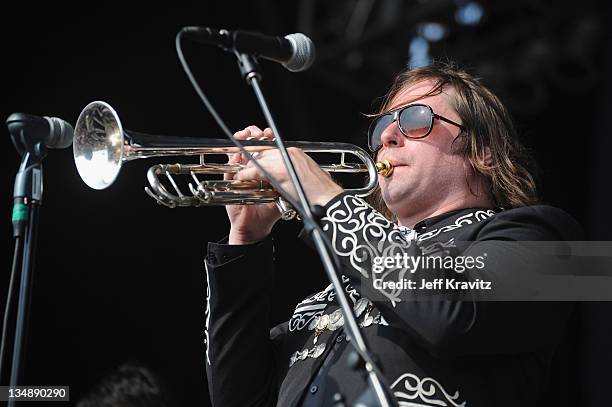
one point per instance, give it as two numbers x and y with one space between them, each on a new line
382 395
27 200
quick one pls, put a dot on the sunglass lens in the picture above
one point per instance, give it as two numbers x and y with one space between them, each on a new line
377 128
415 121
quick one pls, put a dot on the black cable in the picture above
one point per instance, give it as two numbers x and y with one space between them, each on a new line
7 309
226 129
310 223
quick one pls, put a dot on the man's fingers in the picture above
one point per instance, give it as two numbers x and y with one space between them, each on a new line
248 173
249 133
267 133
233 159
242 134
237 158
255 131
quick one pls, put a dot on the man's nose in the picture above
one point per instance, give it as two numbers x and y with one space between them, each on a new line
392 136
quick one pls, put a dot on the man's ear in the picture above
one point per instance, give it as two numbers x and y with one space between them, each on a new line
486 158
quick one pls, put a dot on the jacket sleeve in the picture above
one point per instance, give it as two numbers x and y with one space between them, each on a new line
447 327
241 358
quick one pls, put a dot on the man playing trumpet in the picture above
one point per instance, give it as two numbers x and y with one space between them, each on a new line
458 175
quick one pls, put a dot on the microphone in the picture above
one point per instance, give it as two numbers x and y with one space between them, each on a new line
296 52
27 129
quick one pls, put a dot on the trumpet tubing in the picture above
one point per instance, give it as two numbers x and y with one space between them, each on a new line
101 146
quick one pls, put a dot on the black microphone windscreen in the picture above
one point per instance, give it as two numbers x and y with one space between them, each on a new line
61 133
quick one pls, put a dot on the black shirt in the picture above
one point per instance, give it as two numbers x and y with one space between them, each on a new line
432 353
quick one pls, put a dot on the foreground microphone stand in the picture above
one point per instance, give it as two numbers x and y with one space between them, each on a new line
379 393
27 200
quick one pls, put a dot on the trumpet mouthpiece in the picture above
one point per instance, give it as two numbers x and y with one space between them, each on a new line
384 168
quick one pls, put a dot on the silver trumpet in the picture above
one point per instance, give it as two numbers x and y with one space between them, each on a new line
101 146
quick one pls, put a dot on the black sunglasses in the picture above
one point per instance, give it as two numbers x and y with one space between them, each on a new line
414 121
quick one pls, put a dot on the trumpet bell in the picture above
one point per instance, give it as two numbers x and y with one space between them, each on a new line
98 145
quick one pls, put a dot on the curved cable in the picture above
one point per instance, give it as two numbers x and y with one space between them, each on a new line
353 329
226 129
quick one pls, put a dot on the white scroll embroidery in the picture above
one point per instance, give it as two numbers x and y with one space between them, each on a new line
459 222
412 391
207 313
359 233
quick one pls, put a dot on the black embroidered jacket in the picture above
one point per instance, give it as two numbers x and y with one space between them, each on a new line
434 352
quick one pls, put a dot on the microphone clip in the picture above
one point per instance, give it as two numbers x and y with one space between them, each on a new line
249 67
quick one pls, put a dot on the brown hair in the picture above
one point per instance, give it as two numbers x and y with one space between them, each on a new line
487 124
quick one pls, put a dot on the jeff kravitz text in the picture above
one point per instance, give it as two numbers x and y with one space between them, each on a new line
449 264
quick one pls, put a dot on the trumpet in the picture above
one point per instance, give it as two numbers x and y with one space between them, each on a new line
101 146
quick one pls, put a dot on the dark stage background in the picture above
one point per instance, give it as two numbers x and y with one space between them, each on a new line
119 278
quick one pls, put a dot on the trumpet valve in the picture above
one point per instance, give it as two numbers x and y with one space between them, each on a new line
384 168
285 208
203 193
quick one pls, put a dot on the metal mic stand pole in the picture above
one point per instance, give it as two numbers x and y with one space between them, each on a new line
27 198
248 68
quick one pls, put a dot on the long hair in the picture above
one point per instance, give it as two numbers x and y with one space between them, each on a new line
487 124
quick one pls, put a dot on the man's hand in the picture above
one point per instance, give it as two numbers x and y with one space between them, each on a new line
250 223
318 185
